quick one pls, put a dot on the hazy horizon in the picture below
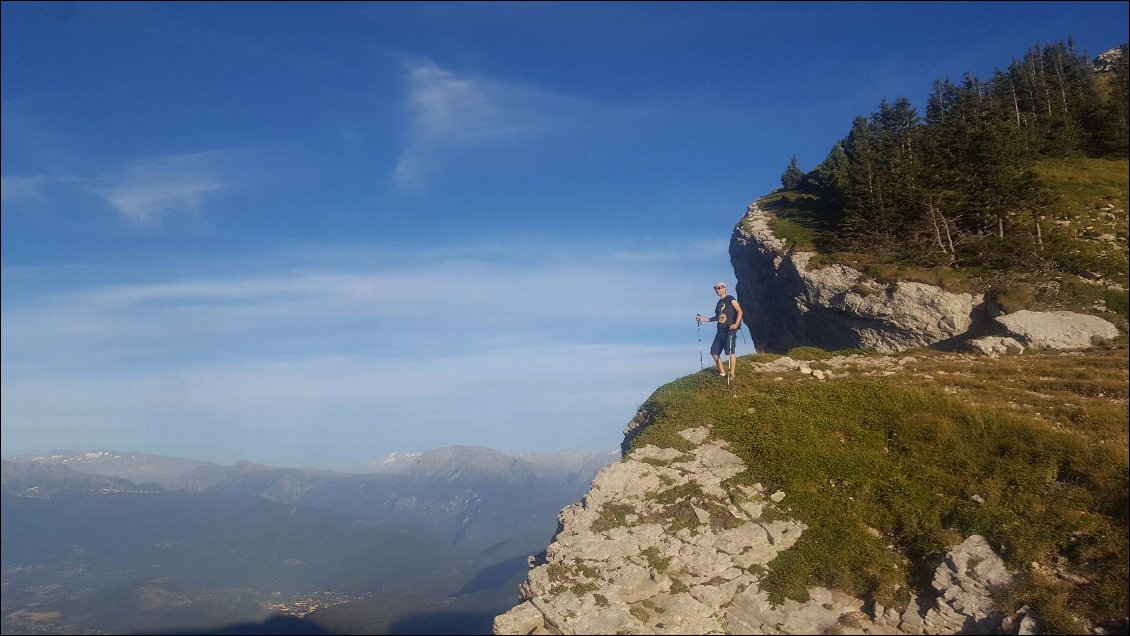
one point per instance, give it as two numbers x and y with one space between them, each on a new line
315 234
364 467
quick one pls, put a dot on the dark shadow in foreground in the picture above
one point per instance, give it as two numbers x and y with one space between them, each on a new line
282 625
445 623
497 575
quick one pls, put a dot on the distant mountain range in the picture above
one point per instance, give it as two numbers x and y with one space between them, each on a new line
106 541
136 467
475 498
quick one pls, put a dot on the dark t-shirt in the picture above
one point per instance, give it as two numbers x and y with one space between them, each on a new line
725 313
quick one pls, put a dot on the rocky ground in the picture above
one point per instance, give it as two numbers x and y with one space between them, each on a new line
661 545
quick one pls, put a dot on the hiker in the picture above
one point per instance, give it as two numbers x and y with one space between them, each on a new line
728 315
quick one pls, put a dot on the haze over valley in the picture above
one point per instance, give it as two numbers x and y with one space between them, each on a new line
111 542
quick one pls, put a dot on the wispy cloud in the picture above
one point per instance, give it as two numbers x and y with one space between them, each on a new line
17 188
145 191
447 110
348 409
465 300
472 348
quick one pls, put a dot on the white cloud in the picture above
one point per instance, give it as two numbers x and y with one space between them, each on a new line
478 300
471 349
454 109
528 398
147 190
16 188
448 111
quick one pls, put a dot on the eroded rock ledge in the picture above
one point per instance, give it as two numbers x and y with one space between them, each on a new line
788 303
664 544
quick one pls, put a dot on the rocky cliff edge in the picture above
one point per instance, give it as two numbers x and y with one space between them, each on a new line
664 544
789 303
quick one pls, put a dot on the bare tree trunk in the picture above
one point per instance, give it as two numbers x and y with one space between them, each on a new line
1000 226
949 237
1030 81
1059 76
1038 73
1015 101
1039 232
937 230
1030 94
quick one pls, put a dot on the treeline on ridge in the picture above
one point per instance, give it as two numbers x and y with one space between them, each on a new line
959 187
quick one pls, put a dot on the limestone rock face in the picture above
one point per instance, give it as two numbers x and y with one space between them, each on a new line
662 544
1107 61
789 303
1056 329
996 345
967 579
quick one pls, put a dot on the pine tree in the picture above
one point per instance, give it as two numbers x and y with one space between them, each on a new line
830 177
960 186
792 177
897 128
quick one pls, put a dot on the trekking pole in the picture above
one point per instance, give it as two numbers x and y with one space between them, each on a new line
733 352
750 342
699 323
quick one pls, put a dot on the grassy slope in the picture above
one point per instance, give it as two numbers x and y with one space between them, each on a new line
1090 200
1030 451
1040 438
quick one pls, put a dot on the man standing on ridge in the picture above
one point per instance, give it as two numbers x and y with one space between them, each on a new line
728 315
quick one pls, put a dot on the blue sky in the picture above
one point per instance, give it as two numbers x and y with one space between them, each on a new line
315 233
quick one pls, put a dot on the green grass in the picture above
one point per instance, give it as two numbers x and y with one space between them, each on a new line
657 563
813 353
639 613
613 515
800 219
1090 199
1040 438
797 236
578 578
1083 186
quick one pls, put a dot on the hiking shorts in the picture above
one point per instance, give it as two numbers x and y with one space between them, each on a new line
723 341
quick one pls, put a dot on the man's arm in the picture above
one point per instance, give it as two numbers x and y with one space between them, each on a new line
737 321
702 318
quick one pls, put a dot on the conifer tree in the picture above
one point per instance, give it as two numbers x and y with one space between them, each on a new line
830 177
863 199
792 177
960 186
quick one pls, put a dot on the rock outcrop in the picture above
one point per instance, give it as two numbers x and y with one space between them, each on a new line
1107 61
668 542
789 302
665 544
1057 329
967 579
